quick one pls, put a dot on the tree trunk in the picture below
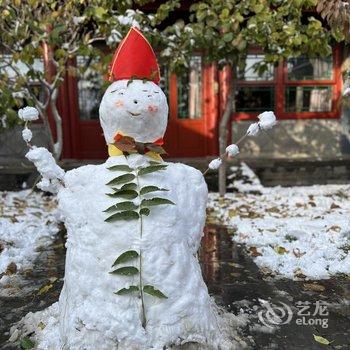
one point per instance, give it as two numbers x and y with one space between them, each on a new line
45 118
57 149
223 131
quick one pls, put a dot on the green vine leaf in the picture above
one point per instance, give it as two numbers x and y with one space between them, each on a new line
154 292
155 201
151 169
121 206
127 194
121 179
126 271
124 215
129 290
148 189
121 167
145 211
126 256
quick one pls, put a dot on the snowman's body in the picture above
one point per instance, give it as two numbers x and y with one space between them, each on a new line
91 315
178 309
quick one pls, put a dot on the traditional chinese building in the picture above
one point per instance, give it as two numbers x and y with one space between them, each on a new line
304 93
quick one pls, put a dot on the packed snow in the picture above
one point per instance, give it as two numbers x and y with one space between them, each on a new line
28 114
253 129
293 232
28 220
42 327
232 150
215 164
267 120
170 238
45 163
27 135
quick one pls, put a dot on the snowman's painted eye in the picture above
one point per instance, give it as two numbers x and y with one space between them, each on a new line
156 92
120 92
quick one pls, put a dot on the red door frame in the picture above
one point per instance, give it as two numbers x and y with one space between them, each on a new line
85 139
194 137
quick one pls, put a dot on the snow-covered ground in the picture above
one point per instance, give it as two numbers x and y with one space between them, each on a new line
295 232
28 220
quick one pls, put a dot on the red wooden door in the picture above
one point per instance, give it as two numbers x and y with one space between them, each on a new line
192 127
188 135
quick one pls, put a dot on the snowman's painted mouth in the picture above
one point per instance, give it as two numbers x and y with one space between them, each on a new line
134 114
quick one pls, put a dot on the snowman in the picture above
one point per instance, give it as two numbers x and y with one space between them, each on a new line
134 225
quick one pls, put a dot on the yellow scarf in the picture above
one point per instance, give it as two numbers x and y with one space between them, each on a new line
114 151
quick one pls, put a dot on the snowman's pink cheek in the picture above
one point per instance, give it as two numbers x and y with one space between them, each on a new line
152 109
119 104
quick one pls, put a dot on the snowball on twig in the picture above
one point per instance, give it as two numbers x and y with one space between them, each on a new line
45 163
27 135
215 164
232 150
28 114
253 129
267 120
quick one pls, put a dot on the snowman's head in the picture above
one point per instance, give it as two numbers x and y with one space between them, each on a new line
134 108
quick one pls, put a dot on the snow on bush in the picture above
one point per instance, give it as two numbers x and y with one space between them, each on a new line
296 232
28 114
28 220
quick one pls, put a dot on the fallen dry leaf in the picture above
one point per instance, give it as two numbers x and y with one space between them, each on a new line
297 253
280 250
322 340
335 228
254 252
272 210
334 206
45 289
299 274
11 269
314 287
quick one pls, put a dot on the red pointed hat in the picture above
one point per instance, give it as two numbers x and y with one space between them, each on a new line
134 58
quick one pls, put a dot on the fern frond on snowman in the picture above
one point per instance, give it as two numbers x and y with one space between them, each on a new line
132 277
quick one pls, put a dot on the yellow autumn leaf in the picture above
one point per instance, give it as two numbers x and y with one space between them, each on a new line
321 340
41 325
280 250
45 289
